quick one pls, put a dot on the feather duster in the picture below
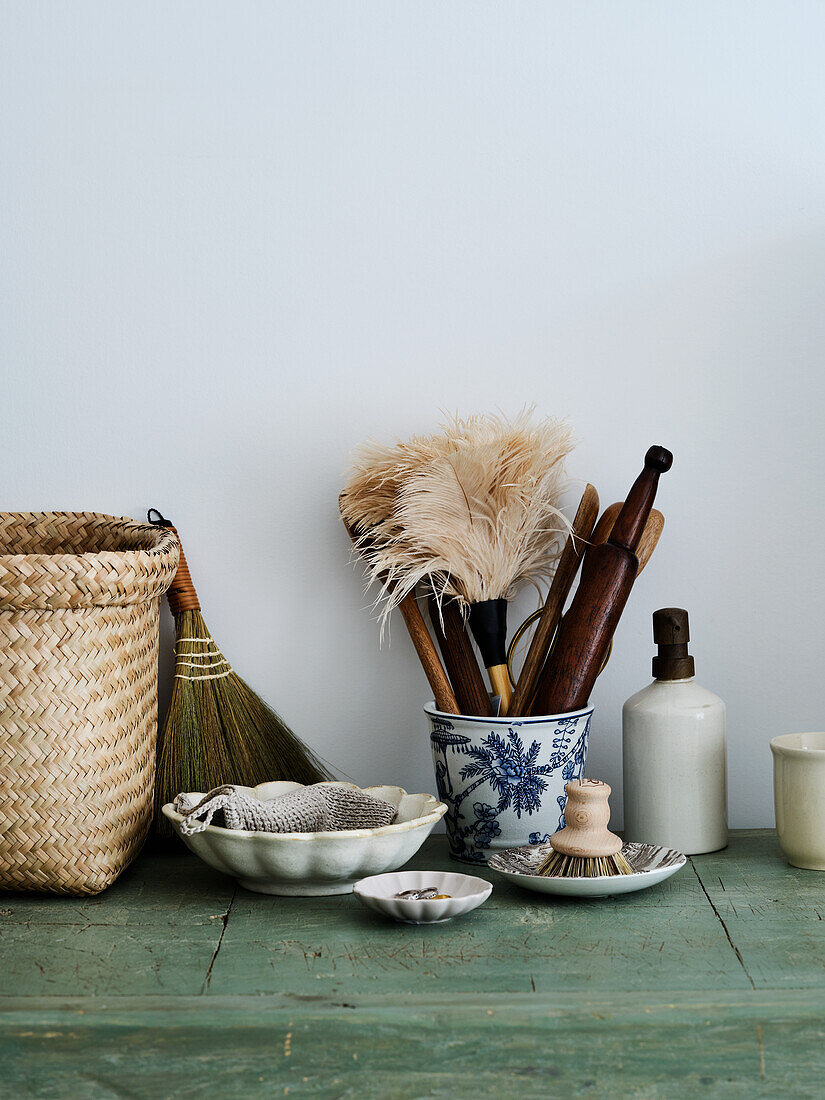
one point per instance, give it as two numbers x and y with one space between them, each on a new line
473 510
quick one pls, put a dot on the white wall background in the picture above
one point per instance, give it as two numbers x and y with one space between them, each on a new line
238 237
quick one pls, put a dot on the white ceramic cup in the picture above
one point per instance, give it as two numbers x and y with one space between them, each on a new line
799 797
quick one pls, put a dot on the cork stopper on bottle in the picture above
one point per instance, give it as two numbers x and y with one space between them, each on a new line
671 633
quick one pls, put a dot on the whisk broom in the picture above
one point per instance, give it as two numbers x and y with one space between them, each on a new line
217 730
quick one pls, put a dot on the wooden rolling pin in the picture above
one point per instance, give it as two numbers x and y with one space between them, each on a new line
425 648
551 613
607 577
647 543
566 570
459 658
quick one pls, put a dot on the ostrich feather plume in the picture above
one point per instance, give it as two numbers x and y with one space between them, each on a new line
377 474
473 509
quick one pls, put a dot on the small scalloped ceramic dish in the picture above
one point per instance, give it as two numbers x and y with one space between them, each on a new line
466 893
313 864
651 865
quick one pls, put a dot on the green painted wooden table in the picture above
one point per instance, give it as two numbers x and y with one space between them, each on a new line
175 983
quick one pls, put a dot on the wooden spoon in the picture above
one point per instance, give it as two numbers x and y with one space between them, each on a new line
568 566
650 535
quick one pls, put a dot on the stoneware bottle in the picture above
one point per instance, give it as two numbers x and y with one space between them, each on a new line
673 733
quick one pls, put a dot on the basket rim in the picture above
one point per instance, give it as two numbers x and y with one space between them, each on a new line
35 579
104 519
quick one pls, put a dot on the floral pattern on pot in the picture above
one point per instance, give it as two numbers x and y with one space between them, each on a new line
497 782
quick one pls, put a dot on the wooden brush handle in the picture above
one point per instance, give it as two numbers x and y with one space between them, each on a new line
608 574
650 538
601 532
459 657
181 593
566 570
443 695
417 629
500 683
586 814
488 622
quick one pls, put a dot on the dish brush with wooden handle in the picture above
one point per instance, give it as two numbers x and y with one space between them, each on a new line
585 847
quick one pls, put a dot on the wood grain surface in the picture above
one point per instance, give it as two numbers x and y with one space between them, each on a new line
176 983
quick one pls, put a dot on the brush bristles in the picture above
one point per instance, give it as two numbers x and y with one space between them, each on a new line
217 730
559 865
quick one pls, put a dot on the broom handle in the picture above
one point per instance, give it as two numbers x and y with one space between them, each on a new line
601 532
181 593
566 571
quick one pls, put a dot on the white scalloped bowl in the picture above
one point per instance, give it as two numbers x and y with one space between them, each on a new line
466 892
312 864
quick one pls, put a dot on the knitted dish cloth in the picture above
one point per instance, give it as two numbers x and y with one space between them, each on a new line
321 808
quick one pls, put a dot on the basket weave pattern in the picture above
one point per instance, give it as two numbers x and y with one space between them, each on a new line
79 604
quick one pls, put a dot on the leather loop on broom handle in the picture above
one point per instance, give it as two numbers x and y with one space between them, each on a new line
181 593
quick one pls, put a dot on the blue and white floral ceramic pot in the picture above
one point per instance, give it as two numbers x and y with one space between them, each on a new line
503 778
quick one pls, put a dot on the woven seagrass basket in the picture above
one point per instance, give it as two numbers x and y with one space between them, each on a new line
79 603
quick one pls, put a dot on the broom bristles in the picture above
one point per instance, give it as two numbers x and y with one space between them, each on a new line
218 730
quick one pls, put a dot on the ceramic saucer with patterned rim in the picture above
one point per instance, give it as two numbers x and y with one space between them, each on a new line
651 865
